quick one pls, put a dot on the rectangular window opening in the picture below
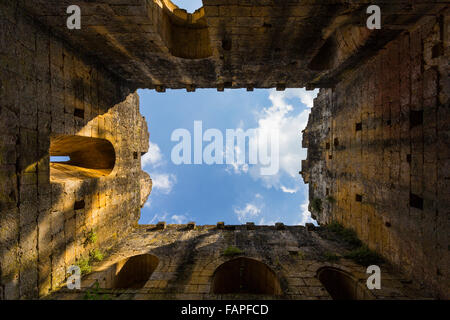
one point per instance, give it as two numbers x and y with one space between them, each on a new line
415 201
336 142
78 205
415 118
79 113
57 159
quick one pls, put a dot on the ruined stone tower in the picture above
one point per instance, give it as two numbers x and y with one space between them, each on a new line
377 138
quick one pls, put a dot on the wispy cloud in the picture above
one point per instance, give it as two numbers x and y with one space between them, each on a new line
290 123
152 162
169 218
288 190
305 215
153 158
179 219
163 182
250 211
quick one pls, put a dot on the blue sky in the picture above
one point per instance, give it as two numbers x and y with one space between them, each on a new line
189 5
232 193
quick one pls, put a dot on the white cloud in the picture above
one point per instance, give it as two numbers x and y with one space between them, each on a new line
281 116
288 190
163 182
153 158
305 215
179 219
158 217
263 221
250 210
148 203
151 162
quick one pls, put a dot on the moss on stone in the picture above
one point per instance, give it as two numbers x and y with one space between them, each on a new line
364 256
232 251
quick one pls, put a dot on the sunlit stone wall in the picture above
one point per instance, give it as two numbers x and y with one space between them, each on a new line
47 89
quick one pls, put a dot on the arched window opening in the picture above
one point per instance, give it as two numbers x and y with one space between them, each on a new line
77 157
129 273
186 34
136 271
341 286
247 276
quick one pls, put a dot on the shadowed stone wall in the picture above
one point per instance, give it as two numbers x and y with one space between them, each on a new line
189 259
379 153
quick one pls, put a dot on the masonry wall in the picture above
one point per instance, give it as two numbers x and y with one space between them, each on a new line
48 88
189 257
379 153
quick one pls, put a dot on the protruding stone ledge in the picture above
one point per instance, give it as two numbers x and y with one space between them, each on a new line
160 88
279 226
190 225
161 225
250 225
220 225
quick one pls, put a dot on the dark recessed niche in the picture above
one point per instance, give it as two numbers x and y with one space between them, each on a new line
135 155
388 122
387 224
327 191
330 156
226 44
79 113
415 118
267 25
437 50
415 201
358 198
358 126
408 158
245 276
336 142
341 285
326 58
327 146
78 205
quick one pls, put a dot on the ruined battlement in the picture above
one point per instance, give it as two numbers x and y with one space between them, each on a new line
179 262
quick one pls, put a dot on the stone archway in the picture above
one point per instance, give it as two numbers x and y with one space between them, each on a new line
245 275
87 157
341 285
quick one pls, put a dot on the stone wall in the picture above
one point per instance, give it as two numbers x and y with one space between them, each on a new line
49 89
377 138
188 257
379 153
229 43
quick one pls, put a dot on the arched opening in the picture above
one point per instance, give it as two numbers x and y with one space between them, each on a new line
135 271
186 34
341 286
189 5
129 273
77 157
244 275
